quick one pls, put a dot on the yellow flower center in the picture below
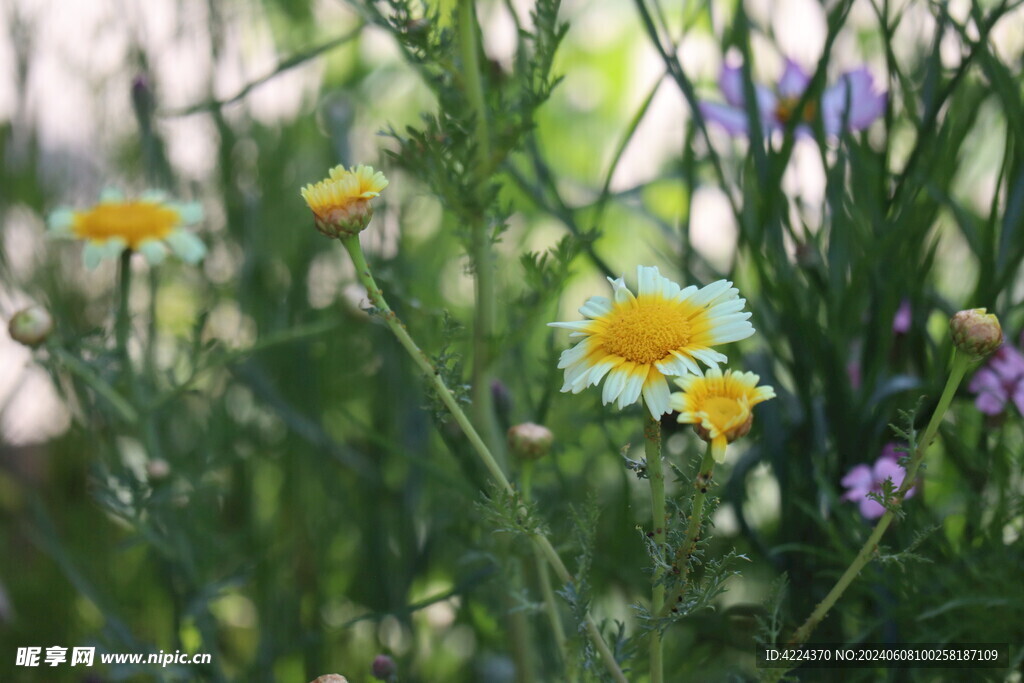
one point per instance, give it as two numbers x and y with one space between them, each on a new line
722 410
645 331
132 221
786 110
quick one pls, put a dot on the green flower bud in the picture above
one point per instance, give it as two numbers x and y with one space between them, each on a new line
529 441
31 326
976 332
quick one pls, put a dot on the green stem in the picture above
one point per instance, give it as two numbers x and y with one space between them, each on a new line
689 546
480 252
351 244
960 365
656 478
122 324
544 578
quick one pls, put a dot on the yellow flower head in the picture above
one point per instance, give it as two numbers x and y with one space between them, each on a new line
639 340
149 224
341 202
719 405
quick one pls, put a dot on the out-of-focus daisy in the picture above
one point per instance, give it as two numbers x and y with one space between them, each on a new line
149 224
718 405
1000 381
864 479
850 104
341 202
639 340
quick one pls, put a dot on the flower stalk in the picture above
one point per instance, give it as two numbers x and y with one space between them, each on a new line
541 542
689 545
961 363
544 579
481 253
656 478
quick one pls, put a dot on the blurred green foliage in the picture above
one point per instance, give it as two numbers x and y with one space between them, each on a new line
316 511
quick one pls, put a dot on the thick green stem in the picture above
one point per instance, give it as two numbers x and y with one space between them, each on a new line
960 365
656 478
480 251
351 244
689 546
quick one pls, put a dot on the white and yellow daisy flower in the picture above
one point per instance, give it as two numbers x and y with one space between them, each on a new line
719 405
148 224
341 202
639 340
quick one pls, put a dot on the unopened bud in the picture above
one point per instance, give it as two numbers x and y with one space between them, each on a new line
158 469
976 332
384 668
31 326
529 441
330 678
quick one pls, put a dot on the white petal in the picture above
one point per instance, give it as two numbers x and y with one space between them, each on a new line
111 194
709 358
656 396
574 355
622 293
602 369
60 221
596 306
648 280
155 196
578 326
186 245
113 247
727 307
631 392
153 250
673 367
614 384
733 332
687 362
93 254
716 291
190 212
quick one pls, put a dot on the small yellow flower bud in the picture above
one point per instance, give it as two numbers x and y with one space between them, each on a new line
31 326
529 441
976 332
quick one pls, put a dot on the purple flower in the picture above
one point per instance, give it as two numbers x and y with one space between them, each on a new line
901 321
851 101
862 480
1001 380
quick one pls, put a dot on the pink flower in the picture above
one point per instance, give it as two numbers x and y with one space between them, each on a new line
849 104
1001 380
904 316
862 480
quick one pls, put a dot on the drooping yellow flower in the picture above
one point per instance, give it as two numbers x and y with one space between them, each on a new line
341 202
149 224
639 340
719 405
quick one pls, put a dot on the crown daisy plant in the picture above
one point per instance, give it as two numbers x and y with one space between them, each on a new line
341 209
634 342
150 224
